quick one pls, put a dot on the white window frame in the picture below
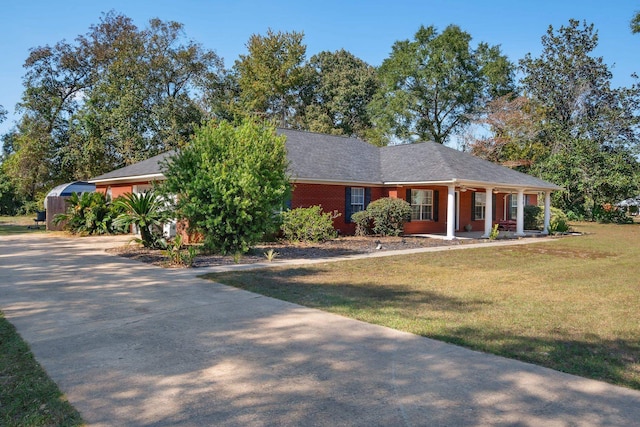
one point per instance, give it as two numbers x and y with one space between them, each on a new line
421 206
357 199
480 204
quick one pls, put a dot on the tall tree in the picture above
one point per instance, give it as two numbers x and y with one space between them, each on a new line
516 130
574 88
3 114
271 75
339 86
432 84
117 95
590 130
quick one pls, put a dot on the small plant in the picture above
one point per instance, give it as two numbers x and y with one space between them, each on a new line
558 225
237 257
270 255
308 224
493 235
175 251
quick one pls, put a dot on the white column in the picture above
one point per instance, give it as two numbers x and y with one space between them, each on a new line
547 212
451 212
488 212
520 214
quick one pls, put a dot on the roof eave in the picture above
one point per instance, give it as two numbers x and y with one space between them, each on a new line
124 179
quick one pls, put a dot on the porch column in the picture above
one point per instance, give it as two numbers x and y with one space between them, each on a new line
451 212
547 212
488 212
520 214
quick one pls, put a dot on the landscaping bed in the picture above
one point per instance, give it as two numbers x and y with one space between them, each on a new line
342 246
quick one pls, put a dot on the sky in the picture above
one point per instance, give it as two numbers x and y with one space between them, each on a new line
367 29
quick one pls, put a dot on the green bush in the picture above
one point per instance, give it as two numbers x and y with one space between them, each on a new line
90 213
532 217
384 217
308 224
229 180
608 214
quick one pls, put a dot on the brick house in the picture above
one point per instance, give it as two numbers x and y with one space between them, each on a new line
447 189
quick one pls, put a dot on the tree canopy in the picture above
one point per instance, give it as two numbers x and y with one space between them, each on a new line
432 84
568 125
338 88
271 75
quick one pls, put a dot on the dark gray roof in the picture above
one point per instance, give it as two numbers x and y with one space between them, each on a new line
330 158
429 161
314 156
150 166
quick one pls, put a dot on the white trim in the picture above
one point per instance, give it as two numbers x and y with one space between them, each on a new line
135 178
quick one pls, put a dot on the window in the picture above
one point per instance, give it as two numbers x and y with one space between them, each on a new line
479 206
421 205
357 199
513 206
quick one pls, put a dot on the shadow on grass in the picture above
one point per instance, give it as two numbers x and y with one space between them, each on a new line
289 285
615 361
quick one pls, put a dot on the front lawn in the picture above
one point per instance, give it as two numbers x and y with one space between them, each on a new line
572 304
18 225
28 397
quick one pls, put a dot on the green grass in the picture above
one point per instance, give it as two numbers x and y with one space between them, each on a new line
18 225
28 397
572 304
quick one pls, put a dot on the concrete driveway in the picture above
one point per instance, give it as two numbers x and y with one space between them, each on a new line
136 345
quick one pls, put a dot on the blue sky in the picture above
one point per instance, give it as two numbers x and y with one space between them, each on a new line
368 29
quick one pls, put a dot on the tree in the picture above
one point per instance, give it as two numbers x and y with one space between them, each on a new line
430 86
589 130
229 181
3 114
574 88
635 23
338 88
590 175
271 75
516 128
115 96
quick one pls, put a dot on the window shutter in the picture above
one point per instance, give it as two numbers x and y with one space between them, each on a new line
347 205
367 197
408 199
436 205
493 206
473 206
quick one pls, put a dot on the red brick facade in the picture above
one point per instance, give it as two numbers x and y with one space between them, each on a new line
333 198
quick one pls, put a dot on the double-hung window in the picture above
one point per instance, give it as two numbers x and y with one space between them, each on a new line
357 199
479 206
421 205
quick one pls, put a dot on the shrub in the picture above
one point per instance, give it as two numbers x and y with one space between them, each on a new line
609 214
532 217
558 225
90 213
229 181
384 217
308 224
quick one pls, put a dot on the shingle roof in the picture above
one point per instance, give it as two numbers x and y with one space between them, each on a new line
429 161
329 158
147 167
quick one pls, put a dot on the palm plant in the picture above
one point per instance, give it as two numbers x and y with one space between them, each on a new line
89 213
146 212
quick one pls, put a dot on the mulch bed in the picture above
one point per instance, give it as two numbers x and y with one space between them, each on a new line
341 246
